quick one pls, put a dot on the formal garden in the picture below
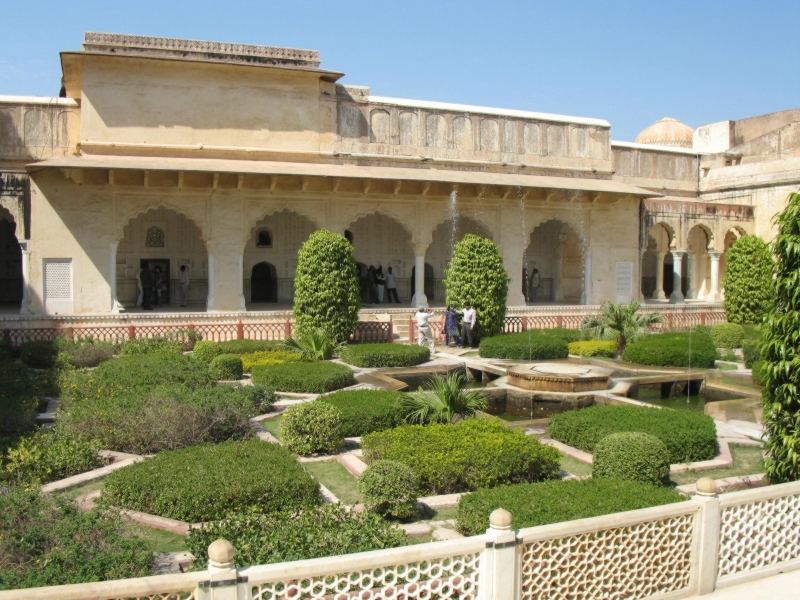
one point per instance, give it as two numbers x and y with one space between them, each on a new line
278 447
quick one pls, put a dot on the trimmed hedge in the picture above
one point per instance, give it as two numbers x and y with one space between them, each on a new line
19 404
759 377
593 348
689 436
205 483
247 346
39 355
673 350
47 540
528 345
366 411
390 489
43 457
303 377
155 345
149 419
384 355
312 427
226 367
328 530
727 335
268 357
473 454
534 504
632 456
562 333
206 351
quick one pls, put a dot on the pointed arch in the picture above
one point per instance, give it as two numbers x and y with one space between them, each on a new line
555 251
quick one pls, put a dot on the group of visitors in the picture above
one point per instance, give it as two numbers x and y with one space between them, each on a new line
155 283
381 285
454 320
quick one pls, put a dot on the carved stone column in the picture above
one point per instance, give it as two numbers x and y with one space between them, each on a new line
113 279
26 274
714 295
659 292
693 273
419 299
676 297
210 299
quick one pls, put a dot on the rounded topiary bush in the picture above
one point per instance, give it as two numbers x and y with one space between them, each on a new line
633 456
749 289
303 377
390 489
528 345
476 274
226 367
365 411
312 427
206 351
327 290
39 354
673 350
727 335
599 348
384 355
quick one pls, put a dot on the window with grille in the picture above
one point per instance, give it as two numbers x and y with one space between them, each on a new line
58 279
624 278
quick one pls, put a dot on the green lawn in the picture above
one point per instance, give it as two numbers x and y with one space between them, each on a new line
163 541
337 479
574 466
747 460
443 514
80 490
273 425
726 367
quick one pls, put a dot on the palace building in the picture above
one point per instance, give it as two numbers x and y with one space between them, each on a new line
224 158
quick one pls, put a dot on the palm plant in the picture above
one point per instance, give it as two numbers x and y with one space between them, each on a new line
620 321
446 401
313 345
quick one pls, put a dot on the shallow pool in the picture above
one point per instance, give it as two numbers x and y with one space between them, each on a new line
696 403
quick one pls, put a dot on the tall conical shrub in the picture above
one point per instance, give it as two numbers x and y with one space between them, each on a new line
748 281
476 275
326 286
781 352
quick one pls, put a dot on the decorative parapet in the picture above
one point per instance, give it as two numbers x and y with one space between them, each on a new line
697 208
114 43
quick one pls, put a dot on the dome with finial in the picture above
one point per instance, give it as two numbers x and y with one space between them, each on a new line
667 132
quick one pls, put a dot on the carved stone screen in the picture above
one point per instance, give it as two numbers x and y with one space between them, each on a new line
154 238
624 281
58 279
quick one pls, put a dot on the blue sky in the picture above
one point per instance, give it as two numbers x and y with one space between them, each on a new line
630 62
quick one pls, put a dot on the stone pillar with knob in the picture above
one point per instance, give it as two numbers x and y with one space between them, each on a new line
501 563
714 295
706 557
224 582
419 299
26 277
659 293
694 275
676 297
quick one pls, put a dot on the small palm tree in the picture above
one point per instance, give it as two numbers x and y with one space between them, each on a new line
313 345
447 401
621 321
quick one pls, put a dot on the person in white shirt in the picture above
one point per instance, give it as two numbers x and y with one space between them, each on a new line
391 287
184 286
424 332
467 324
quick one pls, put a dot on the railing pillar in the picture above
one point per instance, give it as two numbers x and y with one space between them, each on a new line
391 331
287 329
223 581
559 321
7 336
411 333
669 321
524 323
501 563
239 331
706 554
702 318
131 332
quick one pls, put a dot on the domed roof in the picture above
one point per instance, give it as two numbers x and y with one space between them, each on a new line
667 132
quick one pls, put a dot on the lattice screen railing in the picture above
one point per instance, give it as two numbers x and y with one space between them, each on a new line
758 533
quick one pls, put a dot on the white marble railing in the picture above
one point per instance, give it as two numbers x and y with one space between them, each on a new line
673 551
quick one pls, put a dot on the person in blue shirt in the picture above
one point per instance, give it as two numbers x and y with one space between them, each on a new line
451 326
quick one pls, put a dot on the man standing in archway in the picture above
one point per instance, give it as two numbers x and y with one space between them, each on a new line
534 287
184 286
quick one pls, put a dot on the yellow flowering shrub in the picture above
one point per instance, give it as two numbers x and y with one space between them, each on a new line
269 357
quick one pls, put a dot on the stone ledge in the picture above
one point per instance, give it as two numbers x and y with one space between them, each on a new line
81 478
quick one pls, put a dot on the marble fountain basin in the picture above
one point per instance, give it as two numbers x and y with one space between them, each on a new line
559 377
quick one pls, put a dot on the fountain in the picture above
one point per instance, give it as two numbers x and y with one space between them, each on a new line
559 377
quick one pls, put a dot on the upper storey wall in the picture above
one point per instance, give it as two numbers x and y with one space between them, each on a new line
469 137
34 128
658 169
180 103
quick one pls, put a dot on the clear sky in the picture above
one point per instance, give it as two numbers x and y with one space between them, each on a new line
630 62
